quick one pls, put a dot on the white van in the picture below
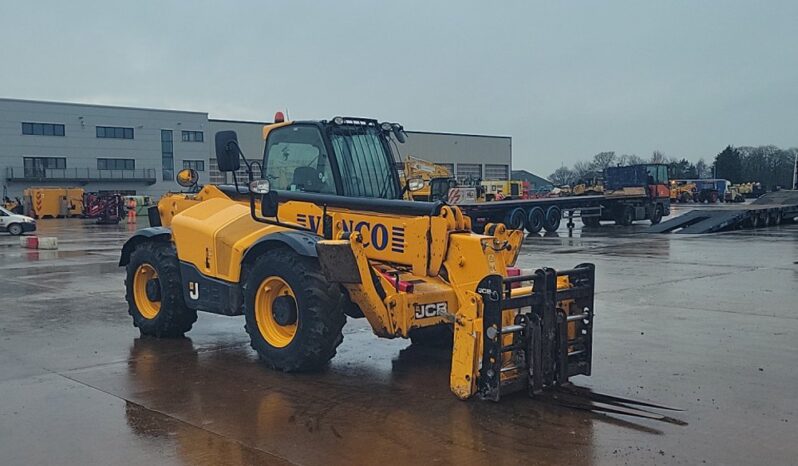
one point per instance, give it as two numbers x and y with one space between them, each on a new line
14 223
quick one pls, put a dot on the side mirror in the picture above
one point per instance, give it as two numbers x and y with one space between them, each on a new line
415 184
227 151
187 177
269 204
399 133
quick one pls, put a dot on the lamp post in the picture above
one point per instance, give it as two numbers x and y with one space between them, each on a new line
795 171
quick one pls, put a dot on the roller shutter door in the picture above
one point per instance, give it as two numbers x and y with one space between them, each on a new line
469 170
497 172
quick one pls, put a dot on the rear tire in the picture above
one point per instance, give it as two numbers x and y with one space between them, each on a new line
15 229
553 218
534 220
515 219
625 217
591 222
435 336
167 316
308 342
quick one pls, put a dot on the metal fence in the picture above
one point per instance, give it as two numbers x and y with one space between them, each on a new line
147 175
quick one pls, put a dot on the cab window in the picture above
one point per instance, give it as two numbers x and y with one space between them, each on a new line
366 167
295 159
657 174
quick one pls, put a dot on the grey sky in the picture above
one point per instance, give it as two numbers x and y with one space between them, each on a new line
564 79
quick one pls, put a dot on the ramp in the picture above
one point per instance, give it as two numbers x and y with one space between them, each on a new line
784 197
770 209
700 221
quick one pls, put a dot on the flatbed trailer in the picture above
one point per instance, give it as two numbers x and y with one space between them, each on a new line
769 210
534 215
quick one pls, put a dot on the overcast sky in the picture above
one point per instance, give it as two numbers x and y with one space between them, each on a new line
564 79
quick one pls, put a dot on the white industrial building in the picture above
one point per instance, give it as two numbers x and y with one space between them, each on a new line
465 155
139 150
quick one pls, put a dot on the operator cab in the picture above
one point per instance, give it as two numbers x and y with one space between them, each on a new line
345 156
345 162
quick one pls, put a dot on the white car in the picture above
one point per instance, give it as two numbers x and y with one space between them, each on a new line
14 223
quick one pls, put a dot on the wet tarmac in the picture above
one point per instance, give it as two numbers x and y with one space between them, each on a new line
706 323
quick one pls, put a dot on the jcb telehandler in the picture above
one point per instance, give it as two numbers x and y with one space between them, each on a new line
321 232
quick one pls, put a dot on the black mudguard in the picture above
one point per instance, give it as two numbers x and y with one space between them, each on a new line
301 242
145 234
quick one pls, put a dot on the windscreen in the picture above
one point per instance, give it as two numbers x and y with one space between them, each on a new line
296 160
366 167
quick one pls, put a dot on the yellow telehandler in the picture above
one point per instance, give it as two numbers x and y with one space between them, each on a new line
322 232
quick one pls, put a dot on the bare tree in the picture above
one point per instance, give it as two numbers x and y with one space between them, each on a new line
583 168
602 160
635 159
702 169
658 157
562 176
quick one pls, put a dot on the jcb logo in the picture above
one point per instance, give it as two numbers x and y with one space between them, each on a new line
193 290
430 310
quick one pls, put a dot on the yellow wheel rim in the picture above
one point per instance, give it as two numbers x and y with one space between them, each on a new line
148 309
275 334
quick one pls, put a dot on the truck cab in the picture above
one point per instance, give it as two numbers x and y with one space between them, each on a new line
637 192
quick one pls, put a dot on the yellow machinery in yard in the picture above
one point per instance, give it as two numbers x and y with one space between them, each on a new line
499 190
589 185
415 168
324 233
683 191
51 202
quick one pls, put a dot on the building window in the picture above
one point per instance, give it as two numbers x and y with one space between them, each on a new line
198 165
497 172
214 175
43 129
193 136
469 171
114 132
116 164
36 167
167 155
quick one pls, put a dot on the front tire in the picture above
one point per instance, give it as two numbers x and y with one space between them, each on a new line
656 216
15 229
154 291
293 315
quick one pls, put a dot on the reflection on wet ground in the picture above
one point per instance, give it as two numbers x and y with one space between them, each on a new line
704 323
